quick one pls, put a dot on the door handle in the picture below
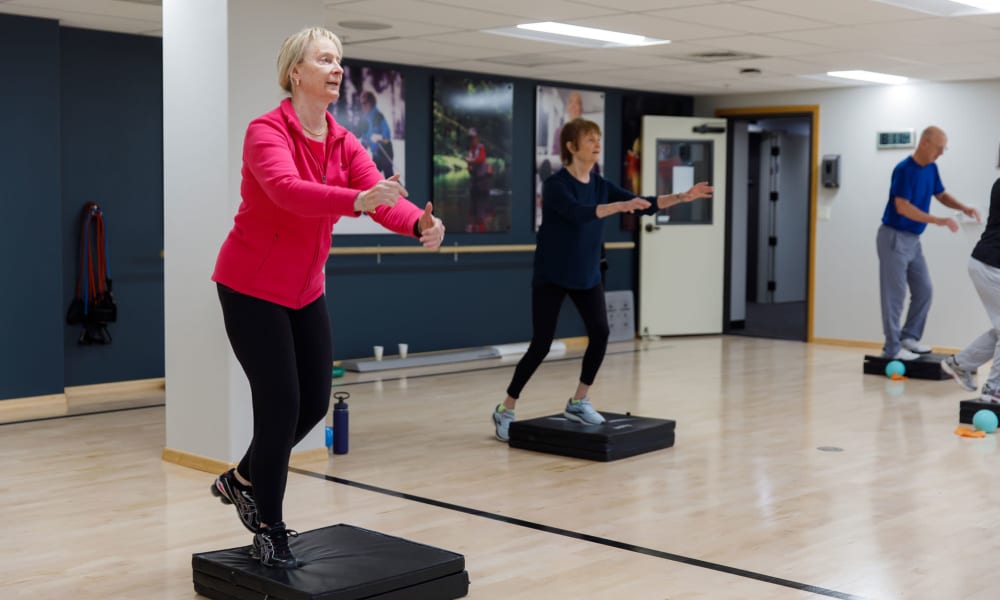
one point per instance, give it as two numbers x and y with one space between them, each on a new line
650 228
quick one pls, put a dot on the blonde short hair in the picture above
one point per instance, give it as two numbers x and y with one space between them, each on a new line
293 50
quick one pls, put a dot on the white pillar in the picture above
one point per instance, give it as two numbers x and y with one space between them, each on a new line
218 73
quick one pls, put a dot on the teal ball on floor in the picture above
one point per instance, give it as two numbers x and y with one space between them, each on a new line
985 420
895 368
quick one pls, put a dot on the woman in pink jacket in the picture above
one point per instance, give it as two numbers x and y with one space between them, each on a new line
302 172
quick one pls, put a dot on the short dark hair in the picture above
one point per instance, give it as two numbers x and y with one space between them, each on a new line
572 131
367 97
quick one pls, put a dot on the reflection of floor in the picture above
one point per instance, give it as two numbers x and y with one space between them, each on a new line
779 320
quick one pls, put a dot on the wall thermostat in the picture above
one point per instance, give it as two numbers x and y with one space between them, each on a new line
895 139
830 171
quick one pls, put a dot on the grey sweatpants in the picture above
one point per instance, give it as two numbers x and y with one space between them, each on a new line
901 266
986 347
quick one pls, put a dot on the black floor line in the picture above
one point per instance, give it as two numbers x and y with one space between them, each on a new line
587 538
84 414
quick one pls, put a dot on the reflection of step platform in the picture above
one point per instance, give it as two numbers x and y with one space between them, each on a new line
620 436
928 366
340 562
968 409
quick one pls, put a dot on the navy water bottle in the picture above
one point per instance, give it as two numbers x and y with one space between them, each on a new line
341 430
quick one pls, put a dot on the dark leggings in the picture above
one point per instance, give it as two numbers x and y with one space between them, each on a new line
546 300
286 355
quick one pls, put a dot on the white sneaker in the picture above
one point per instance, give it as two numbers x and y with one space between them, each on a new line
914 346
905 354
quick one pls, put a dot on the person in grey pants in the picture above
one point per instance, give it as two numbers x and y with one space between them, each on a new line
901 260
984 269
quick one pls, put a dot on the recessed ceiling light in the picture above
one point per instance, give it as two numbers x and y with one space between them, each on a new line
871 76
575 35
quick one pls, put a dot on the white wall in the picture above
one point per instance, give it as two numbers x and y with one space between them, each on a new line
846 300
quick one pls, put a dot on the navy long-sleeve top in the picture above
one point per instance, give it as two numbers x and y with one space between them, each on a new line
568 249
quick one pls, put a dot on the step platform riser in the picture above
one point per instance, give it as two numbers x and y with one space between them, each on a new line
339 562
967 409
928 366
621 436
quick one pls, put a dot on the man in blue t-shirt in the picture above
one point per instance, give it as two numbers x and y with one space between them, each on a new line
901 259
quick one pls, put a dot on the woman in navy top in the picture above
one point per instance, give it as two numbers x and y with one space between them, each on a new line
575 200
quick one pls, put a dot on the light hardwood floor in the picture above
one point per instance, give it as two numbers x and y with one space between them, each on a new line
744 506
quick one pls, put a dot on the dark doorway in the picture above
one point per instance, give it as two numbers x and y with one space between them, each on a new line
769 211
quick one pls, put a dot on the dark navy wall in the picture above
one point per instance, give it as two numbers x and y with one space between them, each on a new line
31 306
112 154
435 302
82 121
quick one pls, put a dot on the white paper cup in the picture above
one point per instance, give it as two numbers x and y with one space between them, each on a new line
378 352
403 349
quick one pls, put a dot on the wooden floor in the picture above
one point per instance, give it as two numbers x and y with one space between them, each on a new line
746 505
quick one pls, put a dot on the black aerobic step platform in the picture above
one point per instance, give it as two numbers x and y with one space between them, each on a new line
968 409
339 562
928 366
620 436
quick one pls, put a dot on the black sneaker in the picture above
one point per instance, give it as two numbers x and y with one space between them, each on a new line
229 491
270 547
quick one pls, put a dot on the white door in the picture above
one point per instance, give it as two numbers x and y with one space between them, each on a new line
682 249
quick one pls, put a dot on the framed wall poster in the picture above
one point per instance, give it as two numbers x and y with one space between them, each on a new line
372 106
553 108
473 128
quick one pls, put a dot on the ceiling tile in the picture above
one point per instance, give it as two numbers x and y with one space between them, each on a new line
790 36
737 17
840 12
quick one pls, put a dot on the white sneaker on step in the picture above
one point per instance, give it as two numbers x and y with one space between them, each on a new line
905 354
914 346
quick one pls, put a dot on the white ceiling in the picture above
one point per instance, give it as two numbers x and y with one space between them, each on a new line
792 42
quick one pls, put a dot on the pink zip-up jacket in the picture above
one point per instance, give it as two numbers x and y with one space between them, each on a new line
281 234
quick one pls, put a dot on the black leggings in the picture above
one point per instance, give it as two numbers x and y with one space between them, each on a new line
546 300
286 355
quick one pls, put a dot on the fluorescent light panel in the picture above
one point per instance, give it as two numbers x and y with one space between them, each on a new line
562 33
992 6
948 8
870 76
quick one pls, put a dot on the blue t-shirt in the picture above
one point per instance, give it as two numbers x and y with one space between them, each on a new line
917 184
568 250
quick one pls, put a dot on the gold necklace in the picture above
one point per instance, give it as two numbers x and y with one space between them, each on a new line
313 133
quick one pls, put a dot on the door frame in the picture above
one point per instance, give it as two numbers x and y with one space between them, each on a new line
804 110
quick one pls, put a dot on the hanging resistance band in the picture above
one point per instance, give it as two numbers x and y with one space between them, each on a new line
93 307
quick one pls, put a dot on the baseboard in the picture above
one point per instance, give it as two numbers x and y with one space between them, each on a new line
34 407
576 343
97 396
212 465
849 343
194 461
875 345
81 399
